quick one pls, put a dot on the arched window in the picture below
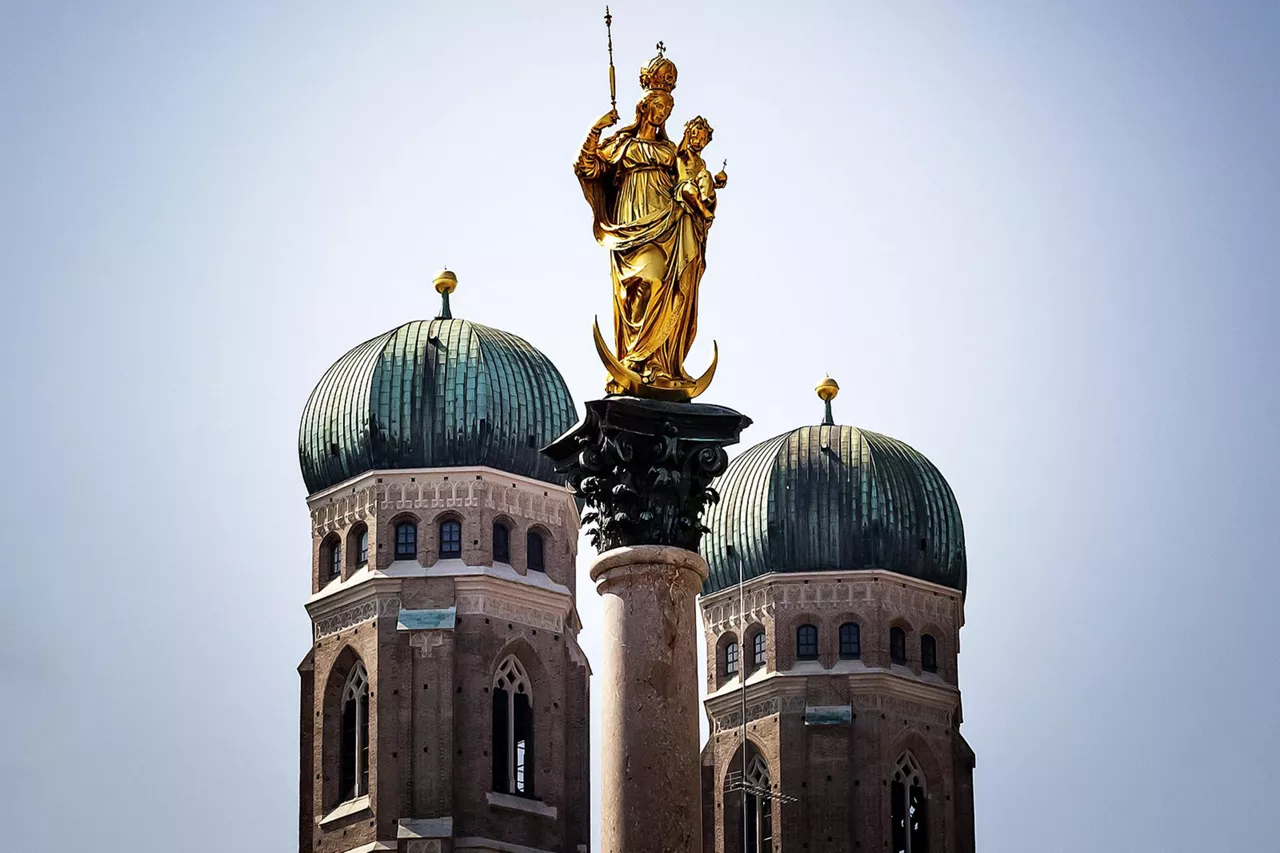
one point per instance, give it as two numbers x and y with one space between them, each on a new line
331 555
757 649
512 730
897 644
929 653
362 548
910 829
450 538
533 552
807 642
501 543
850 641
353 761
406 541
759 807
731 658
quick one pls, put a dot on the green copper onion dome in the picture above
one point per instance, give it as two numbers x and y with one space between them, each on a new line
435 394
831 497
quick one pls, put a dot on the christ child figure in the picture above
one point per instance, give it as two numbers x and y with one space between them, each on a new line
695 185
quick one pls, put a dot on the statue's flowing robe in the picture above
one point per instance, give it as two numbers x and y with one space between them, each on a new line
656 246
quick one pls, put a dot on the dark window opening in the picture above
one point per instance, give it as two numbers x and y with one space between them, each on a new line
335 558
501 543
533 552
929 653
731 659
406 540
450 539
850 641
807 642
757 649
362 544
353 759
897 645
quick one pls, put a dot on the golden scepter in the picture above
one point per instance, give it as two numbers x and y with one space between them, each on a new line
613 85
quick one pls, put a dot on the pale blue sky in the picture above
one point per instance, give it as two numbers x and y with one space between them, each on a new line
1039 244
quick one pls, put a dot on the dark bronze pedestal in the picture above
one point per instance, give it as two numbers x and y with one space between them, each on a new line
644 468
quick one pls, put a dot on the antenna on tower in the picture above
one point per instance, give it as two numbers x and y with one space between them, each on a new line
739 780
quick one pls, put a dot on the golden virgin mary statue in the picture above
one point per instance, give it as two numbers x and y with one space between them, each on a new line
652 204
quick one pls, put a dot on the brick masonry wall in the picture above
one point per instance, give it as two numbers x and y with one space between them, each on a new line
841 774
431 691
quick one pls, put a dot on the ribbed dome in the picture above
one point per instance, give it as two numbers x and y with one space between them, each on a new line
832 498
434 394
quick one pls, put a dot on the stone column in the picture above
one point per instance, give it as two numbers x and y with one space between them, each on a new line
652 799
644 470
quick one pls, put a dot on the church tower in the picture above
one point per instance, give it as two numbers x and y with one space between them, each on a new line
846 629
444 698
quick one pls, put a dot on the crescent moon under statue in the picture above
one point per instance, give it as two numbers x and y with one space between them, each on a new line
632 383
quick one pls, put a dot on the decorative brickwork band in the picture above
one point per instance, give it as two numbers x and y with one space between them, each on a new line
644 468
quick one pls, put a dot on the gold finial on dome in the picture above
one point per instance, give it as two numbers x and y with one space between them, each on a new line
660 74
827 390
446 282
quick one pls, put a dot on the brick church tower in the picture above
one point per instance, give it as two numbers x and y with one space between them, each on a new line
444 699
847 632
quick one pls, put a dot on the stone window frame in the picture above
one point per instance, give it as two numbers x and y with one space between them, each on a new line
358 546
353 756
900 626
928 652
511 679
757 773
905 803
330 558
538 533
759 646
802 642
721 670
850 649
394 525
506 523
732 658
445 524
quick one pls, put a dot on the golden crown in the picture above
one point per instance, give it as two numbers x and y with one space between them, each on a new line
660 74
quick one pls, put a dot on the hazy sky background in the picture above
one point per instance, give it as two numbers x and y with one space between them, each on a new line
1038 244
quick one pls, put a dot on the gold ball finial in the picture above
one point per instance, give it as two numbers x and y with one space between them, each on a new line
446 282
827 389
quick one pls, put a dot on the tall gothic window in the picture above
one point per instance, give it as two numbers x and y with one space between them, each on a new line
353 761
850 641
731 658
406 541
807 642
512 730
757 649
450 538
910 826
929 653
362 546
897 644
759 817
533 552
501 543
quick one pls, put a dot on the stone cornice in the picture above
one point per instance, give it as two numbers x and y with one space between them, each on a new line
360 603
785 693
435 489
499 598
817 591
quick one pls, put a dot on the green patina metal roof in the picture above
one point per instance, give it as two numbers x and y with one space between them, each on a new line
832 498
435 394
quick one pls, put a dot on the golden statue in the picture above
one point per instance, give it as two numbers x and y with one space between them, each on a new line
652 203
